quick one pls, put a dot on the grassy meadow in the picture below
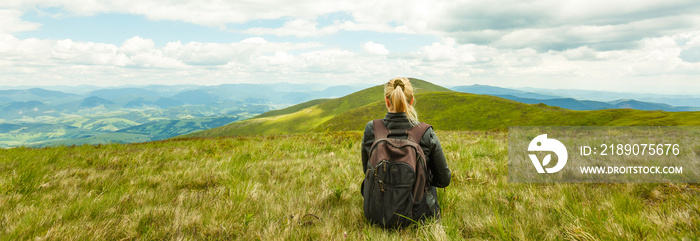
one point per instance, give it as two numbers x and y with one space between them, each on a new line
306 186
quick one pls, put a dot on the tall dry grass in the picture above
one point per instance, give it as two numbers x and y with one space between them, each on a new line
307 187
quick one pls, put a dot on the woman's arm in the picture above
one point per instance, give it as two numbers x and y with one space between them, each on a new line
438 165
367 141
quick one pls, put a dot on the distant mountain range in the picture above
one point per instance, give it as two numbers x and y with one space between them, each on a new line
574 104
37 116
547 97
669 99
443 108
499 91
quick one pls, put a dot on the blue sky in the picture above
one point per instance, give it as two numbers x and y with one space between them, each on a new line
114 28
642 46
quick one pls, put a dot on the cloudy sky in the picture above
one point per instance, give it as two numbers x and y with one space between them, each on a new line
631 46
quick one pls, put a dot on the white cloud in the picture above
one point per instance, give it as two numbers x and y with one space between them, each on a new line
296 27
137 45
255 40
448 50
10 22
375 48
207 12
137 61
580 53
541 24
279 58
558 25
372 16
543 42
620 36
196 53
87 53
306 28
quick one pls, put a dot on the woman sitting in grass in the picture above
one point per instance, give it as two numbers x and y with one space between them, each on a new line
403 162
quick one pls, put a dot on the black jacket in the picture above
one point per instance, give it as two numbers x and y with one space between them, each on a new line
439 174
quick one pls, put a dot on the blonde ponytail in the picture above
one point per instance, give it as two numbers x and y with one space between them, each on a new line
399 91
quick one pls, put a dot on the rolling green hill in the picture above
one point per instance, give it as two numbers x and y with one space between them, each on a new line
310 115
463 111
442 108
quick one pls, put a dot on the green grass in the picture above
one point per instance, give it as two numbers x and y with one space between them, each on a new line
306 187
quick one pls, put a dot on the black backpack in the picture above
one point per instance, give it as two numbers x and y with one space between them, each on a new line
395 184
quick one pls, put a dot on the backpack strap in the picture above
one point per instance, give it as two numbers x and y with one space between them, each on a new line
416 132
380 130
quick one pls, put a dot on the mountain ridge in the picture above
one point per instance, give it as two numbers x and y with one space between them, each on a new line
443 108
576 104
681 102
307 118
